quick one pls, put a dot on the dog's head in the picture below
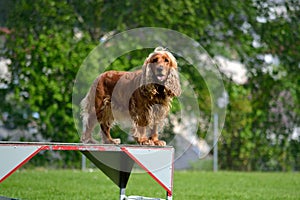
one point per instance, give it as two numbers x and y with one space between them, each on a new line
161 67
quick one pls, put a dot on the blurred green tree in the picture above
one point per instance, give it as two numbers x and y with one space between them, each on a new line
50 39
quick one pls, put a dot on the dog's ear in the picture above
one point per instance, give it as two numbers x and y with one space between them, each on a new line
172 83
147 73
145 83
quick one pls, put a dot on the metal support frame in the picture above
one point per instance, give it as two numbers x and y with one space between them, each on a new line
115 161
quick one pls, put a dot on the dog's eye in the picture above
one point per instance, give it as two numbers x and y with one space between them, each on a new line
166 60
155 60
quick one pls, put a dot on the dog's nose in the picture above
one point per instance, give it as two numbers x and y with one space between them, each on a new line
160 68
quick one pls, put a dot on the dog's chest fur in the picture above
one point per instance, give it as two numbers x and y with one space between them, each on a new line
149 104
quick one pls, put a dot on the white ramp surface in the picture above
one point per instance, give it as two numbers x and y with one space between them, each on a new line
157 162
12 157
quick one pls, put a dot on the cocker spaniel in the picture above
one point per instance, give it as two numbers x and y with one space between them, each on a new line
141 97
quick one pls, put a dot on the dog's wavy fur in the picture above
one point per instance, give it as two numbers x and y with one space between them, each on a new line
142 96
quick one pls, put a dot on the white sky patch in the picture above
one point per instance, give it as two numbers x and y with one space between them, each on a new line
296 134
5 75
234 69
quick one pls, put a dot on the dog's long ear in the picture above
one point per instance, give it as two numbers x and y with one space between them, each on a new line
172 83
147 78
146 73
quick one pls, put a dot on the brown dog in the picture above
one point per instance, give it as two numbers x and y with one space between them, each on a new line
141 97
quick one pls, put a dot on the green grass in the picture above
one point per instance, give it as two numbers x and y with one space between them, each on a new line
75 184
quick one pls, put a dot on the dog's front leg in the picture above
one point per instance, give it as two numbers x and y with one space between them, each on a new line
154 137
140 136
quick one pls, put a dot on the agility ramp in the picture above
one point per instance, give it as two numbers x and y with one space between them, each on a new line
115 161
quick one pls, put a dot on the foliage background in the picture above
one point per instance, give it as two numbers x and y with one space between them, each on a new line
49 40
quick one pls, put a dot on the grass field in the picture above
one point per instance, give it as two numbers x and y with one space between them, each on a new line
75 184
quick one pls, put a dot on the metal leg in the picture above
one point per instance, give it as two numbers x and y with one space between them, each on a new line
169 197
123 179
122 194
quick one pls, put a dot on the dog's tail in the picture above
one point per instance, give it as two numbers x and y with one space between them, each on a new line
87 106
84 112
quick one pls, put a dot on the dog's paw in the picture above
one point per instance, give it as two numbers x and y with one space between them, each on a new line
116 141
113 141
145 141
159 143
